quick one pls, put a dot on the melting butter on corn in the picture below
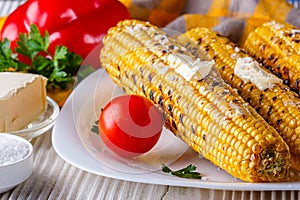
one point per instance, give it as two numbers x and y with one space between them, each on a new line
249 71
190 69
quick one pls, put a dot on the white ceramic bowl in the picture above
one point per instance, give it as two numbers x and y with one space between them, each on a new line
15 172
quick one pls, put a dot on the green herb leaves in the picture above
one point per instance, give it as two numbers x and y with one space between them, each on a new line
36 58
95 127
187 172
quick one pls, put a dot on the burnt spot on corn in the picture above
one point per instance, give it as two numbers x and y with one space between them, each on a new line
193 130
261 97
286 82
232 76
297 82
258 109
178 99
297 40
170 109
270 68
295 90
215 83
160 87
142 72
199 40
143 89
274 98
165 51
170 94
204 137
235 101
174 124
151 95
160 100
270 110
133 79
243 51
278 122
279 75
286 71
278 66
271 57
180 51
207 48
181 118
150 78
222 68
118 67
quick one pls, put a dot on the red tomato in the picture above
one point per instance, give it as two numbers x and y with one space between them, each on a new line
130 125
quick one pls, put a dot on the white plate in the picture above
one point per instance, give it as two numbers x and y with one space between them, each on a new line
74 141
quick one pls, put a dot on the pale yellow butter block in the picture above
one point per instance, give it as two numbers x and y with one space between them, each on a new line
22 99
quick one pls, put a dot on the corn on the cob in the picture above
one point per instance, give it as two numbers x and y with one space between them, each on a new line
203 111
279 106
277 47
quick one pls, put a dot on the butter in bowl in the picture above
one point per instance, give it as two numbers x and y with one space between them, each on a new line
25 108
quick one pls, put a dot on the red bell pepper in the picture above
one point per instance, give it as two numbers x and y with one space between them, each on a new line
78 25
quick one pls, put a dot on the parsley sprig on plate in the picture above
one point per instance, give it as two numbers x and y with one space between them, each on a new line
58 68
187 172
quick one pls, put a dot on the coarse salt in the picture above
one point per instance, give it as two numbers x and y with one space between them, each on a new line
12 151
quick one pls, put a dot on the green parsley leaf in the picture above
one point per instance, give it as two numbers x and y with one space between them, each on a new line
95 128
59 68
187 172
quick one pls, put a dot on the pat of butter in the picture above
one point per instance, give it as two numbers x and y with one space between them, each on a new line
249 71
193 69
22 99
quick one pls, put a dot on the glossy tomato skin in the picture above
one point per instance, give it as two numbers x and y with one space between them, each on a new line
130 125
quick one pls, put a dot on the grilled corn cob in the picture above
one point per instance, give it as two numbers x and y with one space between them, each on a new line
277 47
200 108
278 105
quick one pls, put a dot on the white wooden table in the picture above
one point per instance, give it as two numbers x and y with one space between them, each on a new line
53 178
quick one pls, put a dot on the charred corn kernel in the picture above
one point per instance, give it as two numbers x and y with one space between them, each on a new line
277 104
277 47
211 114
